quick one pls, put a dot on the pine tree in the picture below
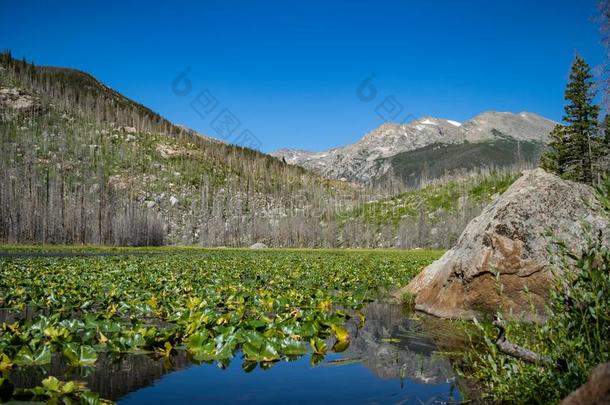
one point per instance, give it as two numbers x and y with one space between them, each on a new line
556 158
581 117
575 147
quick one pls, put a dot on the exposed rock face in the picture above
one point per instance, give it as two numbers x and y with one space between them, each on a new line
501 262
596 391
366 160
169 151
15 101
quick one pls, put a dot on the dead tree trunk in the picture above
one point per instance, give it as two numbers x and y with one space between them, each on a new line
511 349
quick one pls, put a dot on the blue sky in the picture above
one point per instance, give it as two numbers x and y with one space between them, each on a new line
289 70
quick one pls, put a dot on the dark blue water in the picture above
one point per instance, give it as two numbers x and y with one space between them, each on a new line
390 361
290 382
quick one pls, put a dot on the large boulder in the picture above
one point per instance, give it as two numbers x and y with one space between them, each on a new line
596 391
258 245
501 260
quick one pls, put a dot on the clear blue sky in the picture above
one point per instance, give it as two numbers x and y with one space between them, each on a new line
289 70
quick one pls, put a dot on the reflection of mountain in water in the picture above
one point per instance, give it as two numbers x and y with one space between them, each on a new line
393 347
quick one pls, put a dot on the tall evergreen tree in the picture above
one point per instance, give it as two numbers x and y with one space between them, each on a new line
575 146
555 160
581 118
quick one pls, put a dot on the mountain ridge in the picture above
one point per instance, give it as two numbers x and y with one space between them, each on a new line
366 159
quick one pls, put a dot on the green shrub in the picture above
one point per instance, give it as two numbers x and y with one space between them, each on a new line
575 338
408 301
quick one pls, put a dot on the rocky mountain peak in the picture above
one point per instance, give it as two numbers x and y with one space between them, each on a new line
368 158
521 126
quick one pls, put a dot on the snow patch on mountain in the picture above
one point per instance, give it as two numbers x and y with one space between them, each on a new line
366 160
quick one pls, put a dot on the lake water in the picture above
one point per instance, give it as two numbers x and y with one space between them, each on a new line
390 360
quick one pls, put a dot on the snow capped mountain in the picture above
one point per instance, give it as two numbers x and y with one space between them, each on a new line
367 159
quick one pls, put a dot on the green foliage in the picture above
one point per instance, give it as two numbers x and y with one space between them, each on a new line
427 201
605 150
79 355
269 305
576 147
576 336
555 160
38 357
602 192
52 391
408 301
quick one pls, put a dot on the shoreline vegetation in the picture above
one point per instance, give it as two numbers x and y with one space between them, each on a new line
572 341
575 337
43 248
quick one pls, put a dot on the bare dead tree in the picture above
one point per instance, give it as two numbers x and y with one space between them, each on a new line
514 350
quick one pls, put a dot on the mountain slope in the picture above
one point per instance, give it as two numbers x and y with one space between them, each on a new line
405 151
80 163
431 216
434 161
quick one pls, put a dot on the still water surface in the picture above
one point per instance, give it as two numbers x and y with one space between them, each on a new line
390 360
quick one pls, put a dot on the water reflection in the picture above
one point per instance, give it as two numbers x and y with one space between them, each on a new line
395 347
390 360
112 377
